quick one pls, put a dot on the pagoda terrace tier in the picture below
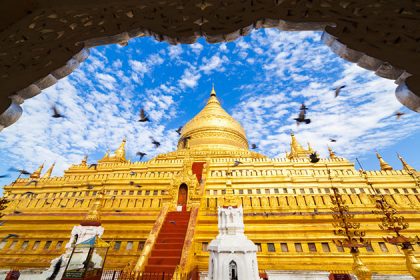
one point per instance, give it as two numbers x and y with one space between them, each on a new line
286 204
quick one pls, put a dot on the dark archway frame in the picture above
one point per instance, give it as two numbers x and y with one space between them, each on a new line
43 41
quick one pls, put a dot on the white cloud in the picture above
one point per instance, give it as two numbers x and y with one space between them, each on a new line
360 118
175 51
189 79
215 63
196 48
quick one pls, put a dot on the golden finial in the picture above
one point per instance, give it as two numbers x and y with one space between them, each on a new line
384 165
230 199
49 171
332 154
37 173
213 92
93 217
106 154
84 160
406 166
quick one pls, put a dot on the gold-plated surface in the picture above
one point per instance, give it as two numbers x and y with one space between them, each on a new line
286 204
213 127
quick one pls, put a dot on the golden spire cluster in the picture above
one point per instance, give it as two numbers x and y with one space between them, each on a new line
297 150
117 156
37 173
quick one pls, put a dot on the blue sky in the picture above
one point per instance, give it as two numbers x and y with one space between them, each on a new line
261 79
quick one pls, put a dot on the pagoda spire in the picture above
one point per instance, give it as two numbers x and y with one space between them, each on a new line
332 154
406 166
49 171
93 217
37 173
120 152
384 165
84 160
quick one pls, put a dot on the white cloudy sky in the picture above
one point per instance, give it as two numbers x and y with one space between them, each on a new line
260 79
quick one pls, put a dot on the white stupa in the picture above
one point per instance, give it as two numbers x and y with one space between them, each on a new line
232 255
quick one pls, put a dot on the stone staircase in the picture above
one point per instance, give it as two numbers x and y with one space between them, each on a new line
166 253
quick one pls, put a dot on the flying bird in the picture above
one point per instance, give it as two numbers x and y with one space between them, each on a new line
141 155
94 165
179 130
236 163
143 116
10 235
399 115
5 176
314 157
333 140
56 113
338 89
154 142
185 141
21 171
32 182
302 115
254 146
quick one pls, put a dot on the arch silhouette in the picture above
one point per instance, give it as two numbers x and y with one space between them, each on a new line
233 271
42 42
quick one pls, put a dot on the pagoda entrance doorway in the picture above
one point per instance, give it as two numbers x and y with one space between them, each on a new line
182 197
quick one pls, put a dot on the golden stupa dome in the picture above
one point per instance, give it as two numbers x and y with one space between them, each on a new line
213 127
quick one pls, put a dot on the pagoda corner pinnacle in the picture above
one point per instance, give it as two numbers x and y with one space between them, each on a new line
331 152
383 164
49 171
37 173
84 160
406 166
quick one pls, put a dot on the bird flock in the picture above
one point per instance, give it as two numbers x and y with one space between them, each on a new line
313 157
144 117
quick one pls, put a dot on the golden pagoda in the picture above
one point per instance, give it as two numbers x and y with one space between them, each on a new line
286 204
